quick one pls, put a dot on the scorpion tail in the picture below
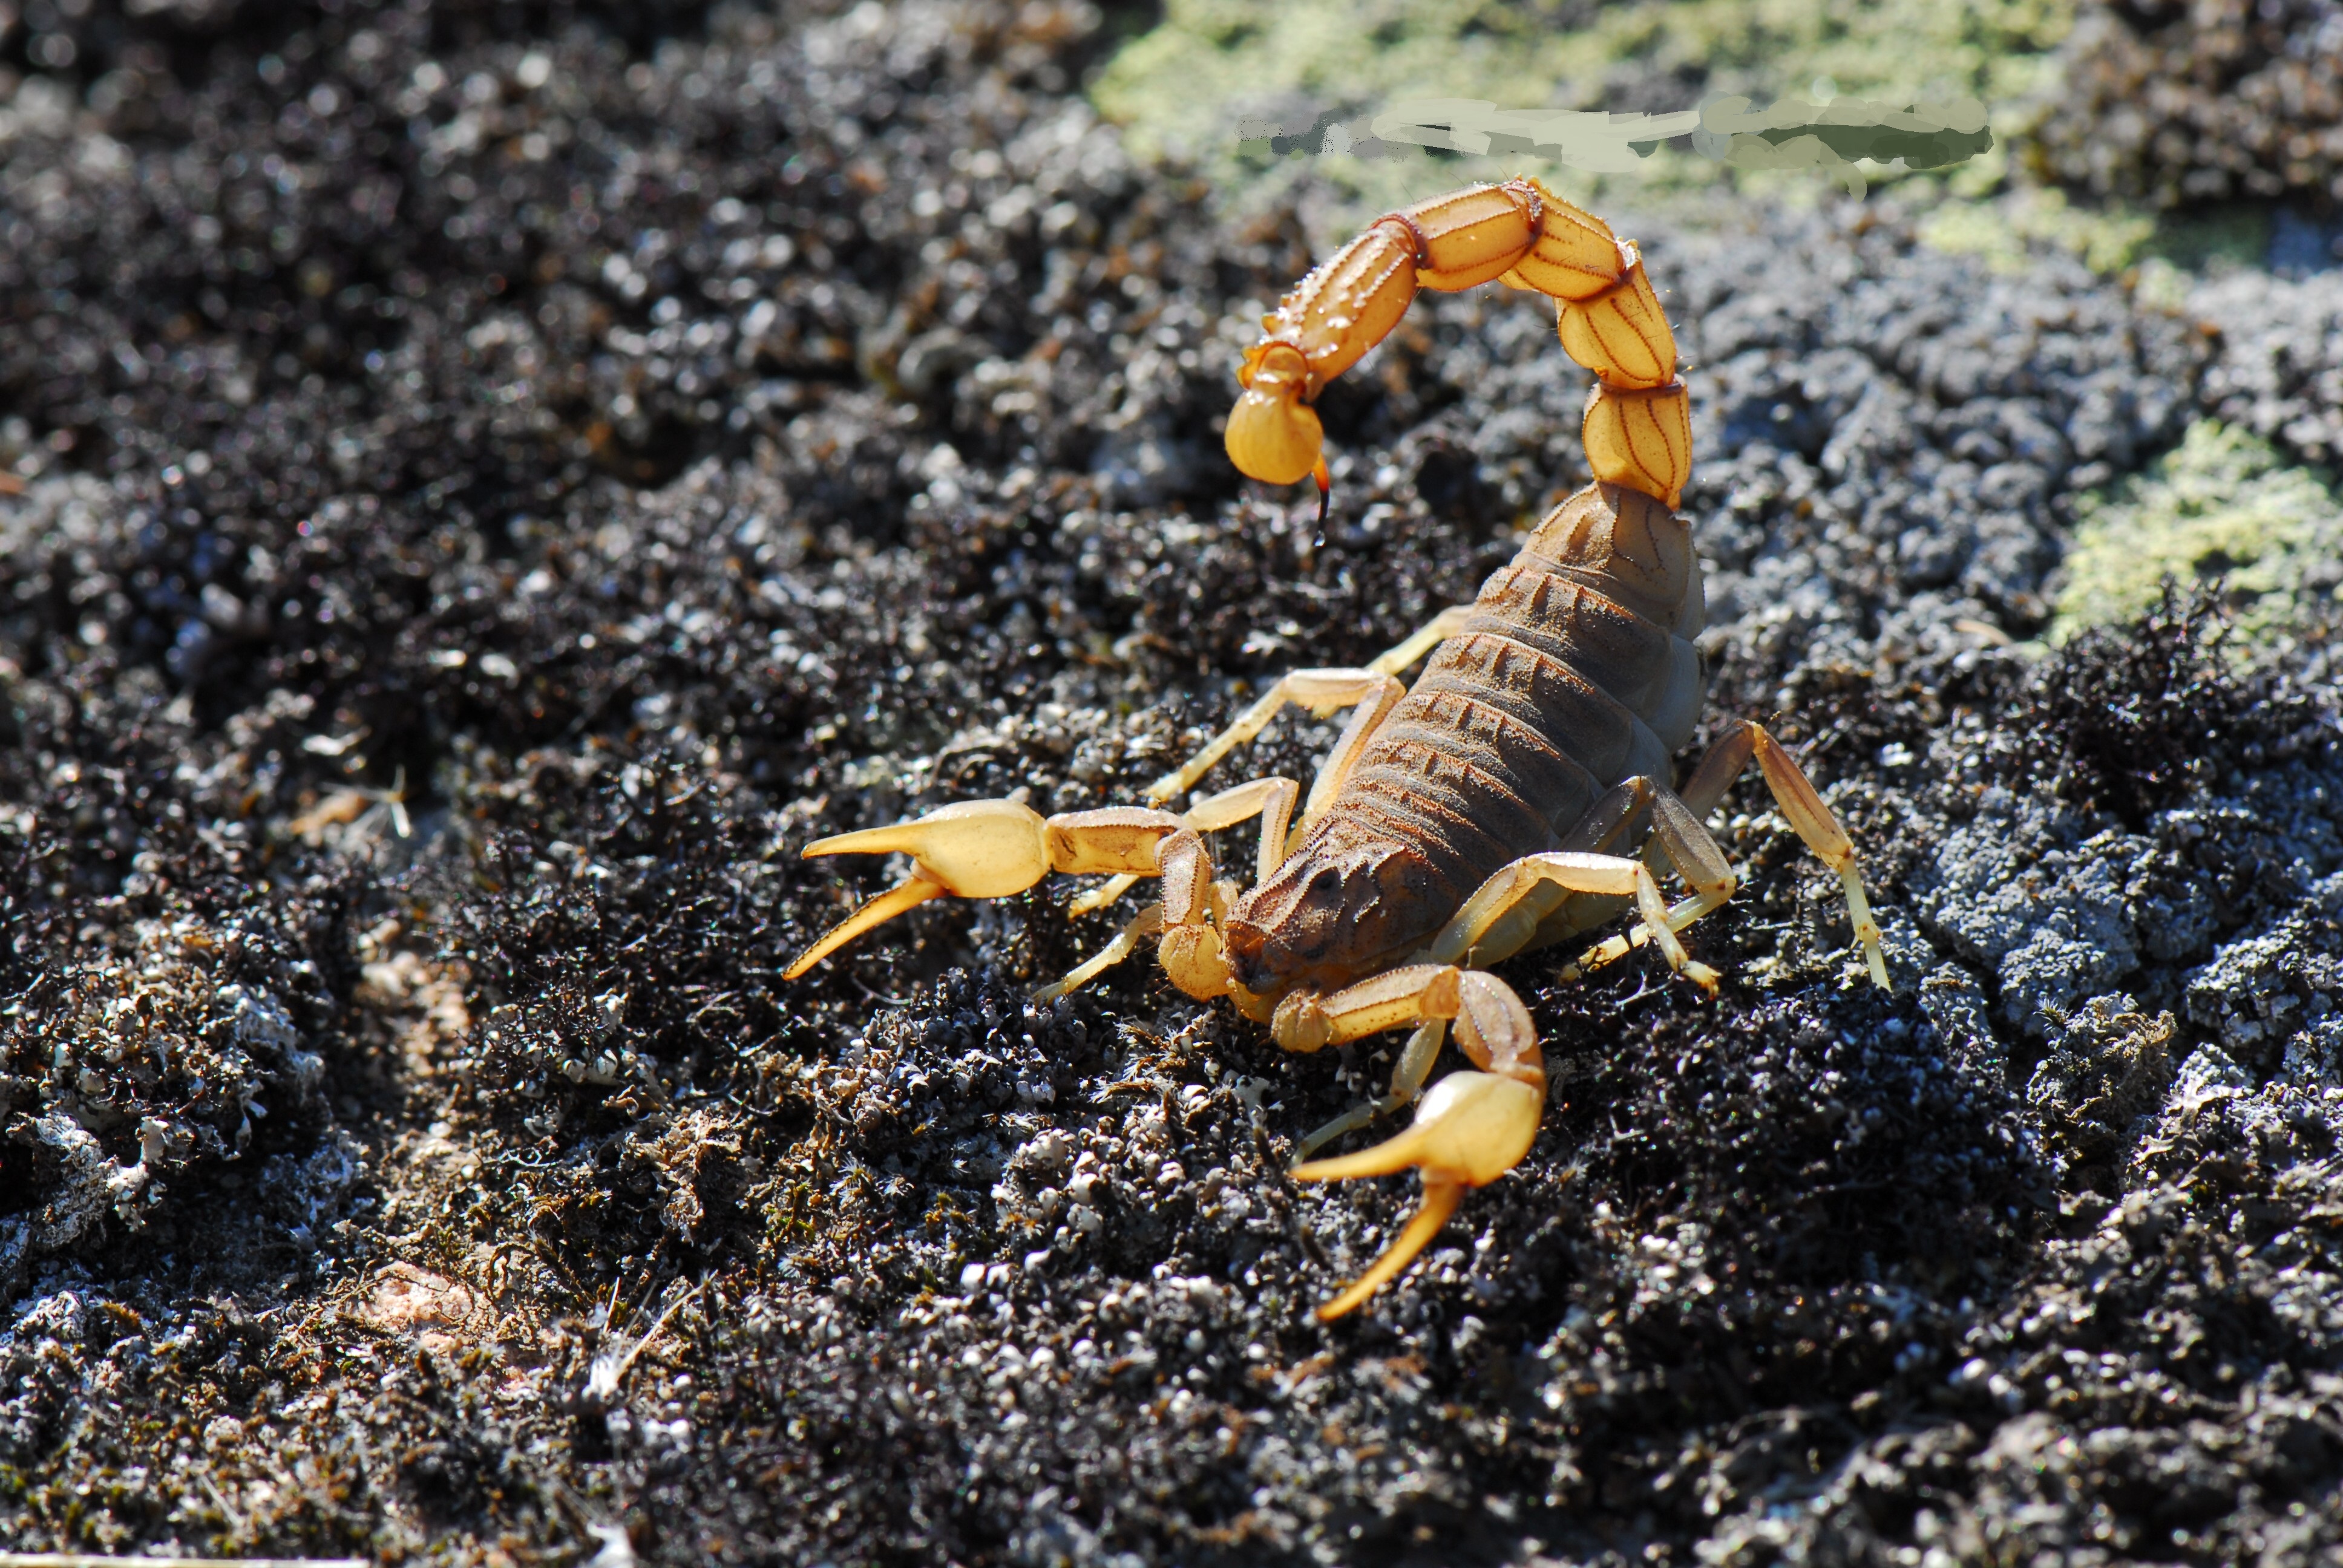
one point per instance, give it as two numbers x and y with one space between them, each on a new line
1274 434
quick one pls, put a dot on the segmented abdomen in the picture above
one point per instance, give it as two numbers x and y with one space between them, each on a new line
1575 672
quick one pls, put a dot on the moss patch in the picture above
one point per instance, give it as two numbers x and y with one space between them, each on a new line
2223 506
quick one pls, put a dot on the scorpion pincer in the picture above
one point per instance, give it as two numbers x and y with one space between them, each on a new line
1485 811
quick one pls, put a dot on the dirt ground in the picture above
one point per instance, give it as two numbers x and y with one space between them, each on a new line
486 484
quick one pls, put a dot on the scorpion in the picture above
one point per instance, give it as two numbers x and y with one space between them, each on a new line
1483 812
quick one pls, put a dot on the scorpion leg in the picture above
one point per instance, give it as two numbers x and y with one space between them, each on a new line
1470 1130
1803 808
1615 814
1503 915
1431 635
1325 692
1680 839
1271 799
1147 922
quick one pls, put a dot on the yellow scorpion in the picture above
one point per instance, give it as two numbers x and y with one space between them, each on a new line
1480 812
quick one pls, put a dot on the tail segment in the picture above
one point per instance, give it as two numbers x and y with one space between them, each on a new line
1638 421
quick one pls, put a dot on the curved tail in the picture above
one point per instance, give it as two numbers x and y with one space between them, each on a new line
1638 421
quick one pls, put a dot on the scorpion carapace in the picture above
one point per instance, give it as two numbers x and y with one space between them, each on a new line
1486 810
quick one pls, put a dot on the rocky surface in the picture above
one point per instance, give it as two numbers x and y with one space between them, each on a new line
495 485
2207 101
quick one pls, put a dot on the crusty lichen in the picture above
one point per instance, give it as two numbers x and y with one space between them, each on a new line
163 1053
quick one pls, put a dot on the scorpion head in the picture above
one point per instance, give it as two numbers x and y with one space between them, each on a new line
1331 912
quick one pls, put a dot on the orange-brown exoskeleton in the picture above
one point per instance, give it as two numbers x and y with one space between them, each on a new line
1481 812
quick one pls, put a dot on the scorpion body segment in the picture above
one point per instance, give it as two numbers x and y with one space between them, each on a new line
1572 671
1482 813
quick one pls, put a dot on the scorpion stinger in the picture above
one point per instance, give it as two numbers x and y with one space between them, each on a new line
1487 811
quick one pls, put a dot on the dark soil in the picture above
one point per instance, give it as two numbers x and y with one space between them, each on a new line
497 480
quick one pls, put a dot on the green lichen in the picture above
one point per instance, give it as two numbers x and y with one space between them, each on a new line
1183 88
2221 507
2165 249
2004 233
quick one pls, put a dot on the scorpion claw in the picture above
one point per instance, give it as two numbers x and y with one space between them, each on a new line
975 849
1470 1129
1439 1200
912 893
988 849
